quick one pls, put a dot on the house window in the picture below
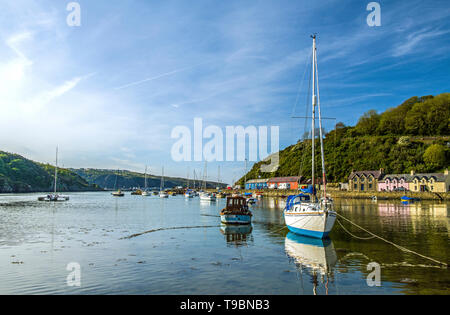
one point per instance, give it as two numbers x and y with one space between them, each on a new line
370 186
356 186
415 187
431 187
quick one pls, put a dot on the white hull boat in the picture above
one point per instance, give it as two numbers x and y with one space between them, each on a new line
163 195
54 198
310 219
306 214
207 197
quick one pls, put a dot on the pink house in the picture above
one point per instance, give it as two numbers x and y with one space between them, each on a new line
393 182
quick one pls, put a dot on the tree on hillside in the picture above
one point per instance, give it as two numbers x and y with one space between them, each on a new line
368 123
392 120
434 156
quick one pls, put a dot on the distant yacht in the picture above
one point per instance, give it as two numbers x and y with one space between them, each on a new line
117 193
55 196
162 193
145 192
205 196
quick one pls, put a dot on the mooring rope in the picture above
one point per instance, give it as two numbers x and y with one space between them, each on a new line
355 236
392 243
169 228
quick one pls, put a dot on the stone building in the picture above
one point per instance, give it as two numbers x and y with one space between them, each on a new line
364 180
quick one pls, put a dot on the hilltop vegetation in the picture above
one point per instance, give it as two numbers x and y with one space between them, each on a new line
127 179
412 136
18 174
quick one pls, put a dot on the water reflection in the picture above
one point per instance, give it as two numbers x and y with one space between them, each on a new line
317 256
274 203
237 235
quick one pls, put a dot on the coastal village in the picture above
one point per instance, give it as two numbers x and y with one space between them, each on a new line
365 182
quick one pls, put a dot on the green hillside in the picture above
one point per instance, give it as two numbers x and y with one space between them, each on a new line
18 175
128 179
412 136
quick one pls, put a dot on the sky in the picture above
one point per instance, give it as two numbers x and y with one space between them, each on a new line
109 92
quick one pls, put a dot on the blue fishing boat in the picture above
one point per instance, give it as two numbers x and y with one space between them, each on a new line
409 199
236 211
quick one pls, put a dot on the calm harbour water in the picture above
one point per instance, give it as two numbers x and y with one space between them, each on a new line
38 240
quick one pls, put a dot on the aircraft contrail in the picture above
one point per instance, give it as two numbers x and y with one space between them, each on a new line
159 76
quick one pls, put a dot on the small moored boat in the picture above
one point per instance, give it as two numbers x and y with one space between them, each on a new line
236 211
207 196
189 194
118 193
162 192
55 196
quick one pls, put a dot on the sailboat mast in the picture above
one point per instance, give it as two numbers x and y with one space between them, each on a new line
218 174
313 109
205 175
162 180
187 185
322 155
145 178
245 176
194 179
56 169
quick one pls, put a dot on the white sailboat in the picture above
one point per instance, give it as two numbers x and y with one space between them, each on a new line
162 193
145 192
305 214
204 195
55 196
189 193
117 193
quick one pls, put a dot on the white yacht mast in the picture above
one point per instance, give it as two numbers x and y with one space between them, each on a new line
245 174
162 180
145 176
56 169
313 108
322 155
187 185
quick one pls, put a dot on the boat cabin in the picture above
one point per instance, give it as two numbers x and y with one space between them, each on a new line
236 203
296 199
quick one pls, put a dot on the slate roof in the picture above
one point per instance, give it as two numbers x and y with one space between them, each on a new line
376 174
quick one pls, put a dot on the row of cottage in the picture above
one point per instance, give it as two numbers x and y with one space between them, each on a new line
416 182
366 181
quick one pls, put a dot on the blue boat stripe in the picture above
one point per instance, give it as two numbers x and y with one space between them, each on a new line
309 233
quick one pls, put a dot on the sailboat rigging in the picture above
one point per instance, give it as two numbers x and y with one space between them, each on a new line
162 193
305 214
55 196
117 193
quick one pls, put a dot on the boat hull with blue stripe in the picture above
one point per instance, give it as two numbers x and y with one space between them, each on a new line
236 219
307 218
